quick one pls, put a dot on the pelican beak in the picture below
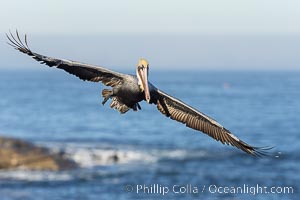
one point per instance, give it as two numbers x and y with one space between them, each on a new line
143 72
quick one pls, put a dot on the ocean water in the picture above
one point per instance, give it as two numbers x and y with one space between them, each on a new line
157 158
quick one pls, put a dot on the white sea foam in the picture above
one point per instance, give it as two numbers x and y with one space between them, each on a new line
27 175
180 154
93 156
90 157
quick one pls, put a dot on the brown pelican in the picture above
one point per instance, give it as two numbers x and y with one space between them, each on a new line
128 90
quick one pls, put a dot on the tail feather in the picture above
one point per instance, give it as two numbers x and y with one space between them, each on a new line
106 93
116 104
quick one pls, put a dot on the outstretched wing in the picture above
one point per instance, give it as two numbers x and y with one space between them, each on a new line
181 112
81 70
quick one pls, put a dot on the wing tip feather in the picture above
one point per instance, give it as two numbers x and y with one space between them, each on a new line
261 152
17 43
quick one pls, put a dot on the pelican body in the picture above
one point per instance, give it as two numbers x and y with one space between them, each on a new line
128 90
133 89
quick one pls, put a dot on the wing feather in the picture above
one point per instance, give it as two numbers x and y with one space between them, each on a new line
181 112
83 71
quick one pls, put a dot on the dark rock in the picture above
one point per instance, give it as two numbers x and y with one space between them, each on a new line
16 153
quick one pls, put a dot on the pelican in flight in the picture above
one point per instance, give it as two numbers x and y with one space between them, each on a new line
128 90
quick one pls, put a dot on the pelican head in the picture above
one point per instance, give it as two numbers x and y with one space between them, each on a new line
142 75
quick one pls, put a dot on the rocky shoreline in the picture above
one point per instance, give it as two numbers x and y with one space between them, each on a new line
16 153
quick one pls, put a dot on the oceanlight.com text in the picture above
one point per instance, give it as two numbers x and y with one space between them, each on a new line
246 189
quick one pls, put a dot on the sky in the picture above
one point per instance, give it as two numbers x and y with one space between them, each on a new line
193 34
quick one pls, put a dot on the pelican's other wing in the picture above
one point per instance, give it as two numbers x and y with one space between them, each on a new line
81 70
181 112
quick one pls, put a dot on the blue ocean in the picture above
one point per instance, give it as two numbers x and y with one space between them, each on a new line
158 158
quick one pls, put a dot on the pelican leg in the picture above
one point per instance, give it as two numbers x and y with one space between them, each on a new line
106 93
136 107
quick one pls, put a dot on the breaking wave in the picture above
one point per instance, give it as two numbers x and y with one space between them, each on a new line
88 156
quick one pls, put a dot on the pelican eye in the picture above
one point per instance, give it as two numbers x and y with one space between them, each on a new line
141 67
